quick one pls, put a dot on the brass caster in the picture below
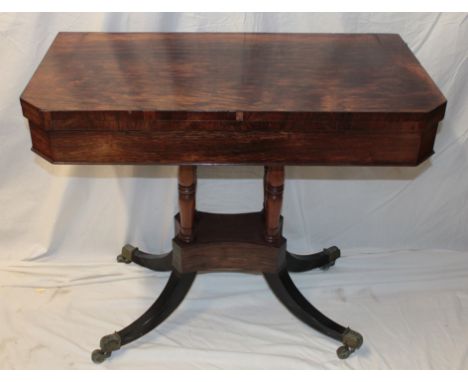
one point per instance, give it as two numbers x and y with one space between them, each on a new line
98 356
127 253
121 259
108 344
333 253
352 341
343 352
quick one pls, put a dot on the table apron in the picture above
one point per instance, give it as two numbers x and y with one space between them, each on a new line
394 144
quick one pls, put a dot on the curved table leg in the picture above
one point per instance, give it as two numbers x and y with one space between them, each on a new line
170 298
284 288
154 262
301 263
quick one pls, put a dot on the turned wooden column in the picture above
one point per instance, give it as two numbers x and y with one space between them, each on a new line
187 189
273 200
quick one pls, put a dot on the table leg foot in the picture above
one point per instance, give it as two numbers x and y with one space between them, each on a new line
301 263
173 294
352 340
285 290
154 262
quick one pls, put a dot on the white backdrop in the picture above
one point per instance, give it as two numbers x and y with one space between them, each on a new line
53 215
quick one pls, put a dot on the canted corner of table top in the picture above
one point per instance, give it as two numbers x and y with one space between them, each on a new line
232 98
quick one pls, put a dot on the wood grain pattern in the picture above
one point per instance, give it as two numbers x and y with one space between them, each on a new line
228 242
189 98
232 143
210 72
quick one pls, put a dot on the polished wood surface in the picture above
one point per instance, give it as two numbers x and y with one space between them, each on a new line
219 73
208 98
229 242
273 192
187 196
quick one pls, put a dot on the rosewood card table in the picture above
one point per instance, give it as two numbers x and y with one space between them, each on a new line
193 99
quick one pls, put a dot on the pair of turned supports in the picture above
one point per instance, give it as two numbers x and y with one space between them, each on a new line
273 184
250 242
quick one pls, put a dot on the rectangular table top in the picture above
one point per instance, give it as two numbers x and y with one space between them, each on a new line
309 86
209 72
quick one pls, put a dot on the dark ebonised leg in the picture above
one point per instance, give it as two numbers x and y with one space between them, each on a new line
170 298
284 288
155 262
302 263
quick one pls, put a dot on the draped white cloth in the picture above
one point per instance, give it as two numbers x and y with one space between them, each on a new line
402 281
